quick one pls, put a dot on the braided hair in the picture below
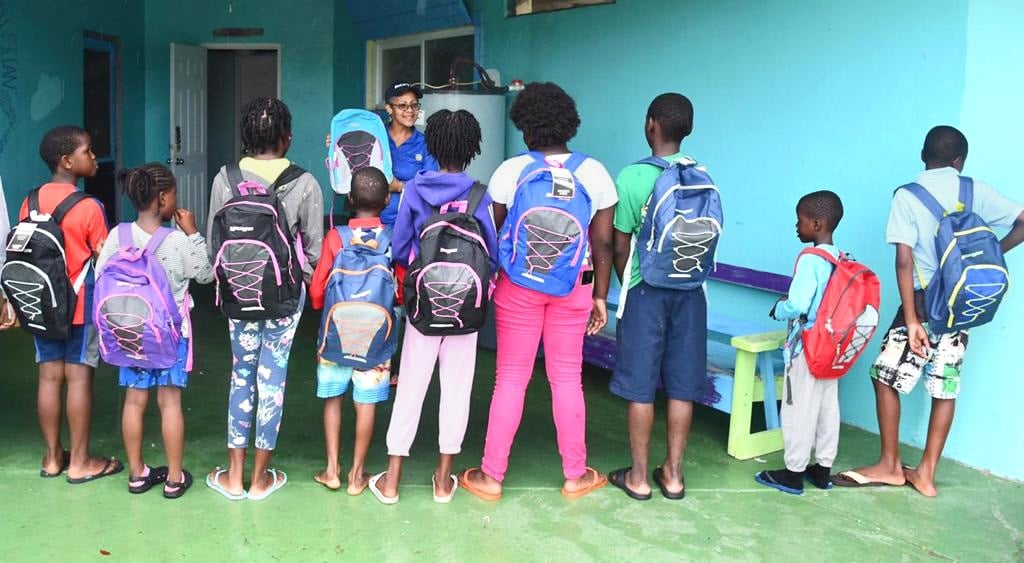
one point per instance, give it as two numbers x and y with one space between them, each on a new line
60 142
453 138
545 114
265 122
144 184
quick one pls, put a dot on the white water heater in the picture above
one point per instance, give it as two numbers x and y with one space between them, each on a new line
488 107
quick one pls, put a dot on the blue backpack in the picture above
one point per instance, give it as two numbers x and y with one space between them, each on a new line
971 278
358 140
358 327
683 222
543 242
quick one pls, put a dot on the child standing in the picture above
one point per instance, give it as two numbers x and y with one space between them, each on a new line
810 409
454 139
367 199
67 151
909 349
260 348
152 191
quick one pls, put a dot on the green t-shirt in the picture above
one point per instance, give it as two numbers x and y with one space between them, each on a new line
635 185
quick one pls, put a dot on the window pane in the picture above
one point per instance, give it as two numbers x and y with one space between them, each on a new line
400 64
440 55
523 7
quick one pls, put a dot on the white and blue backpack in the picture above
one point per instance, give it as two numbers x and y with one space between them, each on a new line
971 278
358 140
358 327
681 227
543 243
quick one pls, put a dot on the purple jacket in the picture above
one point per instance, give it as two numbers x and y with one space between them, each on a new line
429 189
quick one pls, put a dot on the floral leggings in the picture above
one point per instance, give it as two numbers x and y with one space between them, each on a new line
259 353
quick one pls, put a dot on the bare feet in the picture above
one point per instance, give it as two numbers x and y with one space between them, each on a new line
357 482
54 463
884 473
443 484
920 482
384 485
89 466
328 478
637 482
223 478
260 485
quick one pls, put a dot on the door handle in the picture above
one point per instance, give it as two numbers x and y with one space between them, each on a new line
177 161
177 138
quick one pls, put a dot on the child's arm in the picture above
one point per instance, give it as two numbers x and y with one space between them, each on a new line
194 259
403 231
318 285
802 289
107 251
311 224
620 254
220 193
916 334
601 254
1015 236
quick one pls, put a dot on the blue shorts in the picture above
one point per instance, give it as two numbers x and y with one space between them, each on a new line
368 387
662 337
81 347
174 376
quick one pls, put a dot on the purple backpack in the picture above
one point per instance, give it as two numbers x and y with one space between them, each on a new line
136 316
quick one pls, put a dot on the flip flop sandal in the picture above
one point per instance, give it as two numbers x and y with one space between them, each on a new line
274 487
599 481
156 476
466 484
175 490
618 479
447 498
65 462
377 492
766 479
659 479
853 480
111 467
214 483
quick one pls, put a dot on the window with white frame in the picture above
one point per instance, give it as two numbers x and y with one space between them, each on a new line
424 58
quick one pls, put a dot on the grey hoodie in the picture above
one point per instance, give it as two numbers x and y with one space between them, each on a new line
303 204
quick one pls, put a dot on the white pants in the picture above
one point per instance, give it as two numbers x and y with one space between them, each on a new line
810 417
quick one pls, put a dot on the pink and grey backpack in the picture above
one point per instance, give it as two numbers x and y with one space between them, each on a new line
137 319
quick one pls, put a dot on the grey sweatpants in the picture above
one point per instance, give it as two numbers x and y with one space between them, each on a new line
810 417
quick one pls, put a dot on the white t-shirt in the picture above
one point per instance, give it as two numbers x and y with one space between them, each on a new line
591 173
911 223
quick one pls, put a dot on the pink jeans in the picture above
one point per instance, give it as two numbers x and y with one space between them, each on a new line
523 317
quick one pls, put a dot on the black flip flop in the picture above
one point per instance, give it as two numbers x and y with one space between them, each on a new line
658 480
618 478
182 486
112 467
156 476
65 462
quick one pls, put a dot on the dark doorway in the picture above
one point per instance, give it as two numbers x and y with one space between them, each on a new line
234 77
100 112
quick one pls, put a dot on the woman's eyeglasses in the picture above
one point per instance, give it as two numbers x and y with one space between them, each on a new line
405 108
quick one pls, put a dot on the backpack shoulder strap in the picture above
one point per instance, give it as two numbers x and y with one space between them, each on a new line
926 198
287 176
384 240
158 238
125 239
346 235
65 206
655 161
234 176
967 193
476 196
574 161
820 253
33 200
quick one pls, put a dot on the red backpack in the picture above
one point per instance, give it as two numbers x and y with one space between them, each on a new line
847 317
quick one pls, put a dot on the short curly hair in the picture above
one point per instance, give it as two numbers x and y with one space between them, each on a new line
545 114
60 142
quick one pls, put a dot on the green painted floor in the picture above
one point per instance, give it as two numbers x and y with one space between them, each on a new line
725 516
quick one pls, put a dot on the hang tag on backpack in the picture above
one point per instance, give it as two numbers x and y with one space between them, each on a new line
563 185
21 237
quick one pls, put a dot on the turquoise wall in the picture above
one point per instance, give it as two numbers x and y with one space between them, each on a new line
41 81
303 28
795 96
349 63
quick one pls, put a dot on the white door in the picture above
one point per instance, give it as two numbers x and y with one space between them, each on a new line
188 129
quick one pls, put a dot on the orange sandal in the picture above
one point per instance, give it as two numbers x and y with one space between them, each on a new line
599 481
465 483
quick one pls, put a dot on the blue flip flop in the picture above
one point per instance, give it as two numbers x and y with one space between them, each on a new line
765 479
214 483
274 487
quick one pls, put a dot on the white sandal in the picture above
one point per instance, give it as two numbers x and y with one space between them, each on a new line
372 485
448 498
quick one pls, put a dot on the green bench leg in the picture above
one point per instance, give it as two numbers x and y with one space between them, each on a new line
744 444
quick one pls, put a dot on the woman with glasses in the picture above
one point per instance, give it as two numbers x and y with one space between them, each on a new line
408 146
